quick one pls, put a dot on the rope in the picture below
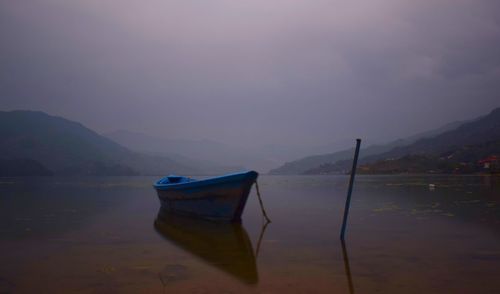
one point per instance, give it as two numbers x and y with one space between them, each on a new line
260 201
262 230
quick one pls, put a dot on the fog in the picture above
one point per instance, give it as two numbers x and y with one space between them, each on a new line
299 74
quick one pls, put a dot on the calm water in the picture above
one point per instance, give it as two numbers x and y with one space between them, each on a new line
105 235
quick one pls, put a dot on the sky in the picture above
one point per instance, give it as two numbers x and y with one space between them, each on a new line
260 72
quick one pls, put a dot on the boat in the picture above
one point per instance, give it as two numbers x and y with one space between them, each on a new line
220 198
225 246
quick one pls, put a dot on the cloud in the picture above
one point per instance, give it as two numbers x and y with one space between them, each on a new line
253 72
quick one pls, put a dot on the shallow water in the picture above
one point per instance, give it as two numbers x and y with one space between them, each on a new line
105 235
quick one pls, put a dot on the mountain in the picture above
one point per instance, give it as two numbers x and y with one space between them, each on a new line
309 163
193 149
481 130
463 146
462 160
214 155
23 168
68 148
208 154
209 157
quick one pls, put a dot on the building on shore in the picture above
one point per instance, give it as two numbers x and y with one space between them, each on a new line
490 164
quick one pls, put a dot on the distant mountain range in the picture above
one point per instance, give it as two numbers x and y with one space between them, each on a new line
456 150
198 150
35 143
47 144
22 167
310 163
215 155
188 152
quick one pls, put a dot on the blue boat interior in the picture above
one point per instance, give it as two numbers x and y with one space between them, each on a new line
173 179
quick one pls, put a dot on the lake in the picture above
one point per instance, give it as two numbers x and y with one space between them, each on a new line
107 235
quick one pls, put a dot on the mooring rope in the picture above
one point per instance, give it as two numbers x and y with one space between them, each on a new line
260 201
262 231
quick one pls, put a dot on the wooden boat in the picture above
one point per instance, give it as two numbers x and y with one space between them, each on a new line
218 199
225 246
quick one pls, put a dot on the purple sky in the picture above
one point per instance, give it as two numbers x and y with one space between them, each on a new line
253 72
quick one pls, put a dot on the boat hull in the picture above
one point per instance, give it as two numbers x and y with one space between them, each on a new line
217 199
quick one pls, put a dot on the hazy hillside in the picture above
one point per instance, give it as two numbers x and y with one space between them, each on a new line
146 143
67 147
481 130
464 145
306 164
461 160
22 167
206 154
178 150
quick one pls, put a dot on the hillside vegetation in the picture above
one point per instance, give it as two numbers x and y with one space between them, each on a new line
457 150
312 163
66 147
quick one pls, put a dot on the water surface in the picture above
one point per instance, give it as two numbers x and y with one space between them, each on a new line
107 235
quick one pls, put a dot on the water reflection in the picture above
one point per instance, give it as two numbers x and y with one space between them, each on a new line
224 246
347 268
66 235
47 208
262 231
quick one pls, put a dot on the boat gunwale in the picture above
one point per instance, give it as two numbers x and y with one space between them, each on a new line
240 176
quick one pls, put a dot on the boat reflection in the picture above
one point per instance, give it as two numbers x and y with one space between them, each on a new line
225 246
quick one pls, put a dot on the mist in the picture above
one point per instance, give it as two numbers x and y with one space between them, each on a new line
303 75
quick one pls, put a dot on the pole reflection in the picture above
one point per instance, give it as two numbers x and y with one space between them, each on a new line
347 267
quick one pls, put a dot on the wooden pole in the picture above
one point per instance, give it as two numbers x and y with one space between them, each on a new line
349 192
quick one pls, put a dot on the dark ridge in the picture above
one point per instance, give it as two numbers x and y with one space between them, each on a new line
22 168
69 148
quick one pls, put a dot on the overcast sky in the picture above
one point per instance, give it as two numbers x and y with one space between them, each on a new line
253 72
